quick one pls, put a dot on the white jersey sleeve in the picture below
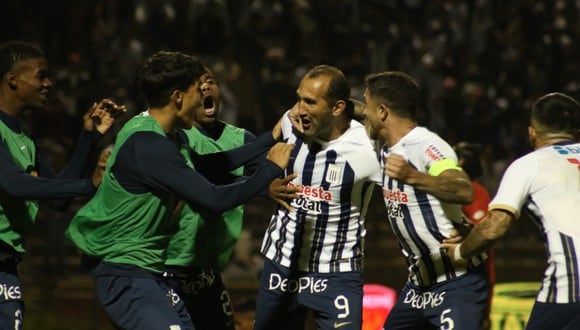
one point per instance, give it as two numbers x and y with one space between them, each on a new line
514 187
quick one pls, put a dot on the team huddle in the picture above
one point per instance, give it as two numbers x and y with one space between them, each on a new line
166 201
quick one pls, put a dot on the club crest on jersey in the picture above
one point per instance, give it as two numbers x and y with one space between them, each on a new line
434 153
333 173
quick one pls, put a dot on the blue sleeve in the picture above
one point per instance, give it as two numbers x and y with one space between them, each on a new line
76 165
253 164
19 184
150 161
231 159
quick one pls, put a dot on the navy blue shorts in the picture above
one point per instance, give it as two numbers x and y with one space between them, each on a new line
284 299
456 304
554 316
11 301
141 303
206 299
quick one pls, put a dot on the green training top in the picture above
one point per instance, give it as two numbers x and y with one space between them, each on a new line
17 215
205 239
121 227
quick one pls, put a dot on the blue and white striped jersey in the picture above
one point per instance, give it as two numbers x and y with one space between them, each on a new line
325 231
419 220
547 181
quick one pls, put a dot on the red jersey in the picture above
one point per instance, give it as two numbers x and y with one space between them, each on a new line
478 208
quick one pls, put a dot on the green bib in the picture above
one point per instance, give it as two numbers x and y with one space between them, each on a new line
205 239
121 227
17 215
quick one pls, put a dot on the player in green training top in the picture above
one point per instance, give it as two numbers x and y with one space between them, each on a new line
204 244
24 178
127 225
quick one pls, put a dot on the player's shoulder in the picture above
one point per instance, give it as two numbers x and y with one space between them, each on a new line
356 137
422 143
528 159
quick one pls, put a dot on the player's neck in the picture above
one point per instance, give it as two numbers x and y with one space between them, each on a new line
396 129
337 130
8 107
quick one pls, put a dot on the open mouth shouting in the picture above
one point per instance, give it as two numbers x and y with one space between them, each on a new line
306 123
209 106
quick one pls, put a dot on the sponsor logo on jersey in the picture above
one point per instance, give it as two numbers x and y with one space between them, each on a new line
565 150
301 284
317 193
396 196
314 207
393 201
433 153
424 300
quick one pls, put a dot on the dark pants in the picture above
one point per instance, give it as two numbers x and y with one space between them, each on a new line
205 297
141 303
456 304
554 316
285 297
11 301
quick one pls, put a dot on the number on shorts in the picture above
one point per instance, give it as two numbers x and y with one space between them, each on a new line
17 319
341 303
446 321
226 303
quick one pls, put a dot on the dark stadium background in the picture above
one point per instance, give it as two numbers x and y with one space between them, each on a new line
480 63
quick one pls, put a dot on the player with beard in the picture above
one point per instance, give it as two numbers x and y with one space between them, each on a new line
25 179
314 250
194 265
423 190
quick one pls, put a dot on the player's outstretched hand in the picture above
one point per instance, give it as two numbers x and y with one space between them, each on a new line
280 154
281 192
100 168
102 115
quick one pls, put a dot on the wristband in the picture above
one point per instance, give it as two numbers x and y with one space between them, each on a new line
457 254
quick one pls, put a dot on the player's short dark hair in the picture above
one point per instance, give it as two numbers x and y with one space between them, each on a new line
557 113
16 51
165 72
397 90
470 153
338 87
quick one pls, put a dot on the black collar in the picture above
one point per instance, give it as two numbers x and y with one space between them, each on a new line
564 143
12 122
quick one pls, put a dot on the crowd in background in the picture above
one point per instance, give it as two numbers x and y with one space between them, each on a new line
480 63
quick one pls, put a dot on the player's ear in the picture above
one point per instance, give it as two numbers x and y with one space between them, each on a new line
384 111
338 108
177 99
11 80
532 134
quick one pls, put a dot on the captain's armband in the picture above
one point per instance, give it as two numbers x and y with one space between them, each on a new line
443 165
